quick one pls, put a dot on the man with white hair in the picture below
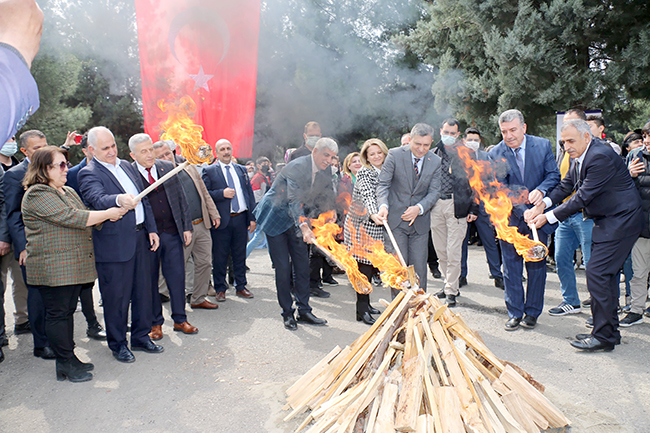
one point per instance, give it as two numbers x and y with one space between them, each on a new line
122 247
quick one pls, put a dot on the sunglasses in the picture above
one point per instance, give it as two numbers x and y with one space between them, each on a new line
62 166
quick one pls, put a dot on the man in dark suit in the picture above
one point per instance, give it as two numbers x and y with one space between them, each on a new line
409 187
230 188
303 189
122 248
605 192
529 166
172 215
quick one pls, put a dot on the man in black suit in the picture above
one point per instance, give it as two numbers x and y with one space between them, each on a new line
605 192
171 211
230 188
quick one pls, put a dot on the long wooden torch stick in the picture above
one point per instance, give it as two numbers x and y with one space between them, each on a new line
394 242
157 183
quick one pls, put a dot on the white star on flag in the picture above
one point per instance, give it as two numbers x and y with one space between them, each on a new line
201 80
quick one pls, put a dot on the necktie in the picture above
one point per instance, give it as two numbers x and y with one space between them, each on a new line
151 179
520 162
415 166
234 202
578 180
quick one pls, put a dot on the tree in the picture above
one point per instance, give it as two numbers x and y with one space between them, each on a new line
537 56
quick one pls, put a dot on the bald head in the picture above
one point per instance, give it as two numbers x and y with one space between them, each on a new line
223 148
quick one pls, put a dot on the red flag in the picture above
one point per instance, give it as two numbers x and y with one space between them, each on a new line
205 50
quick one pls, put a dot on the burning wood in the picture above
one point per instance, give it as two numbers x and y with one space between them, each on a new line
418 368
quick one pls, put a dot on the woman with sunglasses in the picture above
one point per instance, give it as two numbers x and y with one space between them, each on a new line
60 257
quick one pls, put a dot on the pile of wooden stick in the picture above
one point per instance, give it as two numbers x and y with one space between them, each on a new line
419 368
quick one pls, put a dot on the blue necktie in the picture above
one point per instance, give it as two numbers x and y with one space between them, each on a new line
520 162
234 202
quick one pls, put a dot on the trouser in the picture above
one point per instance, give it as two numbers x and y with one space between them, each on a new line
317 261
230 240
88 304
200 252
363 301
432 256
641 267
36 312
289 254
413 246
19 288
572 232
60 304
168 258
448 233
490 245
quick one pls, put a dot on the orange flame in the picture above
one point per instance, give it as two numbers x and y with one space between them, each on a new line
498 203
180 127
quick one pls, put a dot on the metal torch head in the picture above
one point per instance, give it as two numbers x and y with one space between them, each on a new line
537 253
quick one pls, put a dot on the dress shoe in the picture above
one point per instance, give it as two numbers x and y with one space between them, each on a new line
149 347
592 344
462 282
587 303
124 355
290 323
582 336
512 324
44 352
529 322
68 369
164 298
185 328
245 293
206 305
23 328
440 294
330 282
85 366
96 332
365 318
451 300
435 272
220 296
373 310
156 333
498 282
319 293
311 319
4 342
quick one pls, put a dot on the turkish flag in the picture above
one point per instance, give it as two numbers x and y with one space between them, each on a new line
205 50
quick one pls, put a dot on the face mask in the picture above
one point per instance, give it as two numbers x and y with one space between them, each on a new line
448 140
311 141
9 149
264 168
472 145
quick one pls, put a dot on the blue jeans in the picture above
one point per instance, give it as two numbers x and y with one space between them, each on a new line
258 240
571 233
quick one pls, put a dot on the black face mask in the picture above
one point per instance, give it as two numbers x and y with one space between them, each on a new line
264 168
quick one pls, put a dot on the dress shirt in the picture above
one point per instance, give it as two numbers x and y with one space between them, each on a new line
522 152
127 184
239 191
550 216
143 171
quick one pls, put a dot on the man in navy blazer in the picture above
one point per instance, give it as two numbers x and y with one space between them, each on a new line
230 188
529 167
122 247
605 192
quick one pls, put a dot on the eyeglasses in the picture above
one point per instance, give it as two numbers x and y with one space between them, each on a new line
62 166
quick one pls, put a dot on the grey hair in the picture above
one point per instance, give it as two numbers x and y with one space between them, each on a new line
327 143
170 144
137 139
510 115
93 132
580 125
421 130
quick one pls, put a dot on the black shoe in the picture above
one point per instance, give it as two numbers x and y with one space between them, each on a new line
290 323
590 322
498 282
96 332
587 303
440 294
331 282
164 298
44 352
365 318
124 355
70 370
4 342
2 355
462 282
582 336
373 310
311 319
512 324
149 347
529 322
592 344
85 366
319 293
436 273
23 328
451 300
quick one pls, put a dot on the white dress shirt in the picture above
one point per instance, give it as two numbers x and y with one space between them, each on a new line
127 184
239 191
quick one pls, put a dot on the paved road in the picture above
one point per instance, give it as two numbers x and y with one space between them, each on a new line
231 376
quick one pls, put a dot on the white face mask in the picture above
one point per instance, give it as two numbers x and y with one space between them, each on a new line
448 140
472 144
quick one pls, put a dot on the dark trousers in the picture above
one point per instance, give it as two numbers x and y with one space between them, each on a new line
413 246
603 282
518 301
486 234
88 305
170 256
127 282
432 256
60 304
363 301
36 313
289 249
317 262
230 240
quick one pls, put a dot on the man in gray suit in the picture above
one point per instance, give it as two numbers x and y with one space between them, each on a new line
409 186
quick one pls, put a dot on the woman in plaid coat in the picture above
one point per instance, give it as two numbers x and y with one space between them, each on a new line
363 210
60 258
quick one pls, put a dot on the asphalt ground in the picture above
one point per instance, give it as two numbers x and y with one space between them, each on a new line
231 376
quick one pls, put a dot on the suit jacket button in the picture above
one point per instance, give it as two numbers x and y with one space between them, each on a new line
90 255
90 238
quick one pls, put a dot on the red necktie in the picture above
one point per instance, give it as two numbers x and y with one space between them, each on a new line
151 179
